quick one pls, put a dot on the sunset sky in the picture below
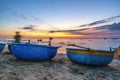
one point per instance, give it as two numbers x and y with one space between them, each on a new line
60 18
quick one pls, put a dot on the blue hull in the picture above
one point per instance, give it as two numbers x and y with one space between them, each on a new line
32 51
97 58
2 46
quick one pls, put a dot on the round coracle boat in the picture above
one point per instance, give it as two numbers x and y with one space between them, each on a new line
90 57
33 51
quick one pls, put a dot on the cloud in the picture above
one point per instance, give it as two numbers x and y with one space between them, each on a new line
23 17
101 21
78 31
101 30
97 22
83 25
111 30
34 28
30 27
112 27
113 17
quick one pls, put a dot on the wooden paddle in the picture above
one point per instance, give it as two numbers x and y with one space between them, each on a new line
79 46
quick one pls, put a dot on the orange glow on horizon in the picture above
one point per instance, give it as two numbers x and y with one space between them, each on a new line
46 35
30 34
36 34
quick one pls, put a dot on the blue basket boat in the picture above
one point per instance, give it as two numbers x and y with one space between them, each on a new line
90 57
2 46
33 51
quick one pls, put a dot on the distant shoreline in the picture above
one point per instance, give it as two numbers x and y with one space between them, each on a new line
62 38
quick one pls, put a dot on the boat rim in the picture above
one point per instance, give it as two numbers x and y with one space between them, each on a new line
88 50
37 45
3 43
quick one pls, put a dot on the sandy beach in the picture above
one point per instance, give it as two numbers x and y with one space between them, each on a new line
44 39
59 68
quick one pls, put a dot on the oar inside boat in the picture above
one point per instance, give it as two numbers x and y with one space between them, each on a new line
79 46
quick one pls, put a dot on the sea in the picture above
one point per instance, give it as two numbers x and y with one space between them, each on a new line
96 44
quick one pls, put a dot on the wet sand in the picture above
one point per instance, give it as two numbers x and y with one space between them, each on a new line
59 68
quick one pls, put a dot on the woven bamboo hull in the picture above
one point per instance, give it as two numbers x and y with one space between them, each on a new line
90 57
32 51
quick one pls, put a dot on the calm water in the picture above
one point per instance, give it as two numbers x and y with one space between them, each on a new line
98 44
